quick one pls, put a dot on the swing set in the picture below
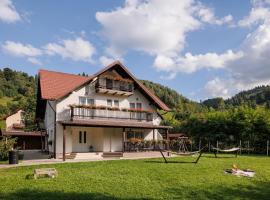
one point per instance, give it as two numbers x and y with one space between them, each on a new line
182 150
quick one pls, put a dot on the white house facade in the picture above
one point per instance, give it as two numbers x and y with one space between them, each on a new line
100 113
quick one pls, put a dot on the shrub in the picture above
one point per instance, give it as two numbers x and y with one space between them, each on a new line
6 145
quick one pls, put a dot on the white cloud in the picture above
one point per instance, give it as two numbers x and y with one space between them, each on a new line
217 88
251 70
20 50
207 15
104 60
34 61
77 50
154 26
8 12
191 63
260 13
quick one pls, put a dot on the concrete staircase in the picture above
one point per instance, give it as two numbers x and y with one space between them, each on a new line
88 156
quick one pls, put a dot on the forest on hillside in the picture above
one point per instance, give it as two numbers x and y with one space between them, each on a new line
17 91
245 116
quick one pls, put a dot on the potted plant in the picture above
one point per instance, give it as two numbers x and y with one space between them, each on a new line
91 148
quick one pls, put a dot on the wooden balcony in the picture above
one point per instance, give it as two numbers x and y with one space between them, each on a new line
84 113
122 87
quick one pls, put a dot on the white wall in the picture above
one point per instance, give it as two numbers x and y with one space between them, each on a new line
16 118
49 121
105 139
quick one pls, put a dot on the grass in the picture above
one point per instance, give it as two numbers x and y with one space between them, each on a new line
141 179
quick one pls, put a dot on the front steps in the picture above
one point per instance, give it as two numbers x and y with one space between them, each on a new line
93 155
87 156
71 156
112 154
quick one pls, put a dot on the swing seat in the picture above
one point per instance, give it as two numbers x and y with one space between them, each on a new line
231 150
188 153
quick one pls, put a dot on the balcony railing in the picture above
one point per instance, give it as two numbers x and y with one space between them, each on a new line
78 113
104 84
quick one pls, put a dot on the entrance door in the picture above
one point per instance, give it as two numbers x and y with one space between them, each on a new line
80 141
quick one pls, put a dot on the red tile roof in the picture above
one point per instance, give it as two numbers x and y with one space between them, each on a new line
55 85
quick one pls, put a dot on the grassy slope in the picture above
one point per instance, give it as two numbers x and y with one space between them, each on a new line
141 179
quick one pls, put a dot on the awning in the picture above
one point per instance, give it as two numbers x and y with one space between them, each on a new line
113 124
22 133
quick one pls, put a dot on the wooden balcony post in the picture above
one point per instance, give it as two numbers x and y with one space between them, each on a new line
64 143
167 138
123 139
72 113
154 139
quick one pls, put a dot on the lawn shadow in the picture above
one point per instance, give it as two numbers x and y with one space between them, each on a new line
29 194
259 190
218 156
171 161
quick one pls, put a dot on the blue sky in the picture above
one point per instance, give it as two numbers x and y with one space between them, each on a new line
202 49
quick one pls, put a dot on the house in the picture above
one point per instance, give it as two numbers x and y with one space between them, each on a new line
97 113
25 140
14 122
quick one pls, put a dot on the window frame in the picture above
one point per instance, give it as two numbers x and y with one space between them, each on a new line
109 100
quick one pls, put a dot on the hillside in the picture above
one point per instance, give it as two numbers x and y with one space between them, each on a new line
256 96
17 91
171 98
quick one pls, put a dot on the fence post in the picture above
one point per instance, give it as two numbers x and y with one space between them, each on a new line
200 142
209 146
217 143
267 148
240 146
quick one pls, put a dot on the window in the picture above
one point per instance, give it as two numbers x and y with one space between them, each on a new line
132 105
134 134
82 100
139 105
132 114
82 137
109 102
90 101
116 103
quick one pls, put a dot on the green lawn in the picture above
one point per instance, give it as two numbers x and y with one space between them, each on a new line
141 179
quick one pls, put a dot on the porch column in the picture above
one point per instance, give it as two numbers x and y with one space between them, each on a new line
167 138
123 139
154 139
64 143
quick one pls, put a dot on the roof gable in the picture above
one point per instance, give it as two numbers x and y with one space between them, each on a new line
56 85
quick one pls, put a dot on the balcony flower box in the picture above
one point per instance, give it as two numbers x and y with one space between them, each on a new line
113 108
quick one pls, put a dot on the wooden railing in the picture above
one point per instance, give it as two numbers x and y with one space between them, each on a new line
90 113
114 85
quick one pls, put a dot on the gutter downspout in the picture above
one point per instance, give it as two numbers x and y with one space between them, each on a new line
54 144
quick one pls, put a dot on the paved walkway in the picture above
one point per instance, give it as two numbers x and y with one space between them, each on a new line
126 156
